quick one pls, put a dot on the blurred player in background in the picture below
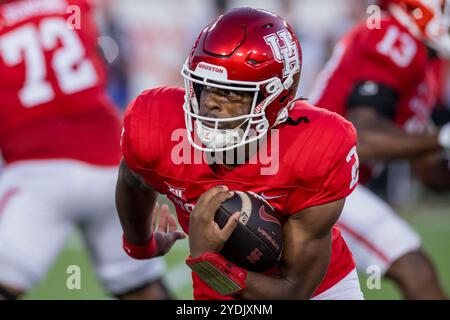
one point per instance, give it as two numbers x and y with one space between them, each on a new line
385 80
59 139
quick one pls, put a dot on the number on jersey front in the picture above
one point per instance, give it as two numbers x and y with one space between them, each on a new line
28 44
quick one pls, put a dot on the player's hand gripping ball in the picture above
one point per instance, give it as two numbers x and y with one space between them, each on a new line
257 242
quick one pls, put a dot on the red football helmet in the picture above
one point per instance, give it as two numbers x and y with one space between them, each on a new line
429 20
245 49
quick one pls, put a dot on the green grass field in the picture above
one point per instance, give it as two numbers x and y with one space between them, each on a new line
431 219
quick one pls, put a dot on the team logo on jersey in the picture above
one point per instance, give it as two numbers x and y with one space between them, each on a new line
284 50
177 192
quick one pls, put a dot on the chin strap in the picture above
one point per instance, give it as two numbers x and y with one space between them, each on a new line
218 273
219 138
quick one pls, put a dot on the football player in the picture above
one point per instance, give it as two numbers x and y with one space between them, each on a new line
59 138
385 80
240 80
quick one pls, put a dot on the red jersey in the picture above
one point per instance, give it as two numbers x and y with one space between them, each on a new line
390 56
52 98
314 163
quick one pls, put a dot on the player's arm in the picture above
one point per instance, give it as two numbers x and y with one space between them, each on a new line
378 137
433 170
135 198
135 201
137 209
307 251
306 256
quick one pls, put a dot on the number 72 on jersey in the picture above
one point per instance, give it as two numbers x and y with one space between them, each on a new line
30 42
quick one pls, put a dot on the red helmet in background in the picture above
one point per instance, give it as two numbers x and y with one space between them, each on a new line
245 49
428 20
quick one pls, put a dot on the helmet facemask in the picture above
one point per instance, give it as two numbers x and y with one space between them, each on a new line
245 50
254 125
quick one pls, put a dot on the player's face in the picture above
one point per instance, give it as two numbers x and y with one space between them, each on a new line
219 103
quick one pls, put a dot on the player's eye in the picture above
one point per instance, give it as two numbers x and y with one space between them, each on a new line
230 93
222 92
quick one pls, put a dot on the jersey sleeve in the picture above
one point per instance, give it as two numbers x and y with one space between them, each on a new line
339 175
139 142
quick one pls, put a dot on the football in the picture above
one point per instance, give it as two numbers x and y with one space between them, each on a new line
257 242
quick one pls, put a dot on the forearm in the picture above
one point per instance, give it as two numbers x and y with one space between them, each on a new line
388 145
134 205
299 283
380 139
264 287
433 170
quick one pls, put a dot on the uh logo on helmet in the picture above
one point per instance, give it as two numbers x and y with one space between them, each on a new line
284 50
249 50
